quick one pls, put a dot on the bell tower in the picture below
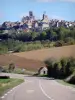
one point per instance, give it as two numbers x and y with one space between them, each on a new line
44 14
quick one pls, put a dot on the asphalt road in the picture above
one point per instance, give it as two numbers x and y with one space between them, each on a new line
36 88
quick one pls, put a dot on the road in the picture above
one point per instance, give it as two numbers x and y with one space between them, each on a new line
12 75
36 88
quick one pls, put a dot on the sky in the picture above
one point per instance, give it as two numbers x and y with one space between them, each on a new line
13 10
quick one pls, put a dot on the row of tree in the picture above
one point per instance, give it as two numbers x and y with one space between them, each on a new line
52 34
19 46
16 41
60 68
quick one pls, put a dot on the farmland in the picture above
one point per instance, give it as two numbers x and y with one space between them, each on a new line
20 62
55 52
33 60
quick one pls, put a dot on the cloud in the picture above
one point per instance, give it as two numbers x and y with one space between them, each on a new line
54 0
45 0
68 0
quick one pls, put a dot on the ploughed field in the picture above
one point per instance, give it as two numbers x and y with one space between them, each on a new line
55 52
33 60
21 62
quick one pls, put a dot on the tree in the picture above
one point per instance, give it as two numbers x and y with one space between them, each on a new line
3 49
63 62
70 40
72 33
59 43
11 67
33 35
43 35
56 69
53 35
49 64
72 64
63 33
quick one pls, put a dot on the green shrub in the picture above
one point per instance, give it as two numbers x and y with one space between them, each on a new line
11 67
18 71
70 41
61 68
59 43
4 77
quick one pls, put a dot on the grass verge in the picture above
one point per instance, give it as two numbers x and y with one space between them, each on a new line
43 75
65 83
6 84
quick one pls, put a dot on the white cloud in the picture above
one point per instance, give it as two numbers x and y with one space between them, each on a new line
54 0
68 0
45 0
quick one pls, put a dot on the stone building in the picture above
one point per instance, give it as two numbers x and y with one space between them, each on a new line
43 71
45 22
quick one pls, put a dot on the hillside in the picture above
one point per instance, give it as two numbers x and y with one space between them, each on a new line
33 60
56 52
20 62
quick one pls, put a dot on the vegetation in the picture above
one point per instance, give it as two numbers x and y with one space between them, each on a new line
4 77
65 83
11 67
6 84
19 46
16 41
61 69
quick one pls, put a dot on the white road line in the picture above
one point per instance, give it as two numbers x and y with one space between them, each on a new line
3 97
28 81
44 91
5 94
8 92
11 90
30 91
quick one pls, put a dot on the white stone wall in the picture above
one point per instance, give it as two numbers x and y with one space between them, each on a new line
43 71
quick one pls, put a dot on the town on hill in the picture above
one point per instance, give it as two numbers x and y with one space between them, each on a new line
30 23
31 34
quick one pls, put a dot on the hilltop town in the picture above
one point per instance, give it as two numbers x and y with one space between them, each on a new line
30 23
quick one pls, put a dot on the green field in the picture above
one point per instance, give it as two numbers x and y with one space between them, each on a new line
6 84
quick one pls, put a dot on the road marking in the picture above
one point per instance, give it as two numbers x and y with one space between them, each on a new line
3 97
30 91
28 81
11 90
8 92
5 94
44 91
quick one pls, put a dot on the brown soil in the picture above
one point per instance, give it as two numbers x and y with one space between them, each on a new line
56 52
33 60
20 62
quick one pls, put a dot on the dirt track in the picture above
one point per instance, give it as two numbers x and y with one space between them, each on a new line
33 60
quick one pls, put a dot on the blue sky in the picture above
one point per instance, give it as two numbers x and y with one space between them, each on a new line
13 10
